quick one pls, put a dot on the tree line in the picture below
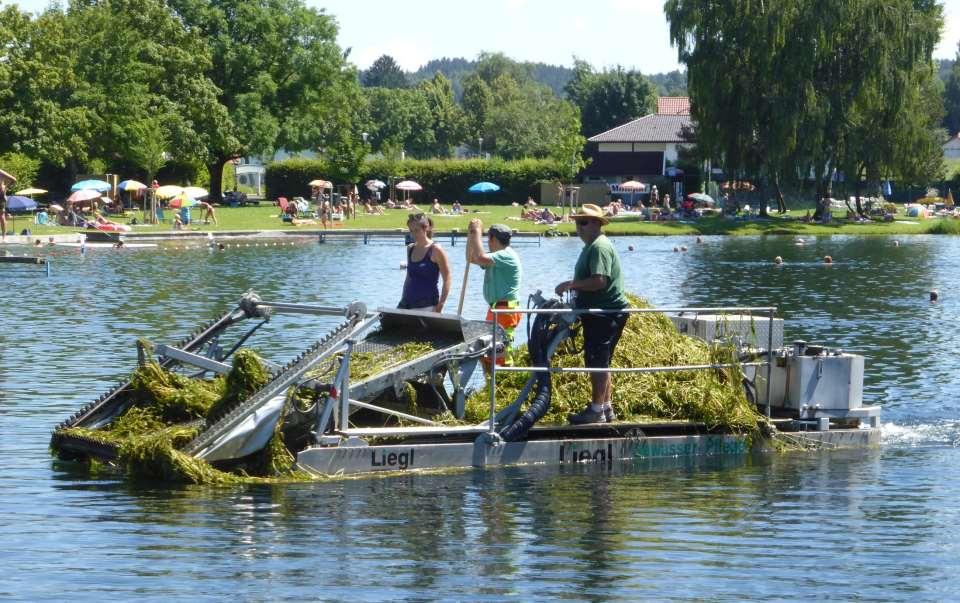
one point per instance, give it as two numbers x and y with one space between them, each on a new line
140 86
789 90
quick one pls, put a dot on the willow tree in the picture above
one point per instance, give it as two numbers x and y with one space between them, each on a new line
775 85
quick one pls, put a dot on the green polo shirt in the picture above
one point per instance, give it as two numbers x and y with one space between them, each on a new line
501 279
601 258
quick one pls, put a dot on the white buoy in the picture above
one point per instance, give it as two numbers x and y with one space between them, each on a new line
778 260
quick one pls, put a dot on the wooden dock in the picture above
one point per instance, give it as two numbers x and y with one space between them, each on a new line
26 260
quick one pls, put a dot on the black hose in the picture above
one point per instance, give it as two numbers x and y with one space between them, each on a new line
545 327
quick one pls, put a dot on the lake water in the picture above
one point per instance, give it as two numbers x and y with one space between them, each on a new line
871 525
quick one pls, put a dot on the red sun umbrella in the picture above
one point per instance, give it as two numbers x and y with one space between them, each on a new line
84 194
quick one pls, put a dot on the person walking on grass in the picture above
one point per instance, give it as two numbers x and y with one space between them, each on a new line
598 284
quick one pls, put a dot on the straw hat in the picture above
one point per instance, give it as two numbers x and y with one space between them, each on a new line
589 210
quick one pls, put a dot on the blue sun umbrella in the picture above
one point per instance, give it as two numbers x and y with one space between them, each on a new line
484 187
97 185
17 203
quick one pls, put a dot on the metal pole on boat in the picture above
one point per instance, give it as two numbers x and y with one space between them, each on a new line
769 356
345 388
493 374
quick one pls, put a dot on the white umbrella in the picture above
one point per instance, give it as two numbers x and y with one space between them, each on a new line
633 185
409 185
167 191
196 192
31 191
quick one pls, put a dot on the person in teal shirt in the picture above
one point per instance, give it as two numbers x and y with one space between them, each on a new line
598 283
501 275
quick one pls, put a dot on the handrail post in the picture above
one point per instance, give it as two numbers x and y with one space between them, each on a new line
493 373
345 388
769 358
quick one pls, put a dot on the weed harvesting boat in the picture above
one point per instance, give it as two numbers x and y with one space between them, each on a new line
399 390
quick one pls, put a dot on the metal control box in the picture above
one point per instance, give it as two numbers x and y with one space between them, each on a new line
828 381
752 331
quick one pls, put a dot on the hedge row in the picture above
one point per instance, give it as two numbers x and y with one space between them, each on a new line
444 179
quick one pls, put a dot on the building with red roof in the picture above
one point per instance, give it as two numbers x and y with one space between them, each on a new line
642 147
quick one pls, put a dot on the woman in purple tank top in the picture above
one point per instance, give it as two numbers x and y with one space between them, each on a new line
426 265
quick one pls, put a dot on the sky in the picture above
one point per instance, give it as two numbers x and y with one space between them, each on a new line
605 33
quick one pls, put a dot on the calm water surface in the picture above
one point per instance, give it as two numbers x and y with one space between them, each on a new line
868 525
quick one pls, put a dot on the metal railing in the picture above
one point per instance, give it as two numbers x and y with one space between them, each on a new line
769 311
401 236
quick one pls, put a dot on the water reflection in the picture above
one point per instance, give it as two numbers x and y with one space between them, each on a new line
872 526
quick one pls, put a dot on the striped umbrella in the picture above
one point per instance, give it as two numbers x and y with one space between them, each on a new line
131 185
183 200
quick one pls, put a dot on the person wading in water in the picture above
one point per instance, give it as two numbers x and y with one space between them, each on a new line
426 264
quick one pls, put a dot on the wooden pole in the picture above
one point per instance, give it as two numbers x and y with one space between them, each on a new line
463 286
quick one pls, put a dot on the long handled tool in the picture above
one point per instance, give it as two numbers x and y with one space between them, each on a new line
463 286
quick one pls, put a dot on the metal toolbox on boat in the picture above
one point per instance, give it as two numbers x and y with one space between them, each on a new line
752 330
829 381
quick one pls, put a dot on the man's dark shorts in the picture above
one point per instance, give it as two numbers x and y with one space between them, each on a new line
601 332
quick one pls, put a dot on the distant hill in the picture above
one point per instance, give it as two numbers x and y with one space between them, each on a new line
452 69
555 77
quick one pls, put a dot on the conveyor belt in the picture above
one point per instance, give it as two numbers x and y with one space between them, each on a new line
203 445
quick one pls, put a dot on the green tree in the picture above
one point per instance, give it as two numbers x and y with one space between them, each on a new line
92 89
42 109
385 73
795 77
477 101
492 65
447 118
153 146
279 73
400 120
24 167
526 120
610 98
951 99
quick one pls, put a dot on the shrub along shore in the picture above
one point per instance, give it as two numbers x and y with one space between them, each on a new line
266 218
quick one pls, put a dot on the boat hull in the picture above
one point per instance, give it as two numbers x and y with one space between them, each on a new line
350 459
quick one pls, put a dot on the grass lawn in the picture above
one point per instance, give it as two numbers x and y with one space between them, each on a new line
266 217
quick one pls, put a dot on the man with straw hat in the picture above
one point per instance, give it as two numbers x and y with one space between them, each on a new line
598 283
